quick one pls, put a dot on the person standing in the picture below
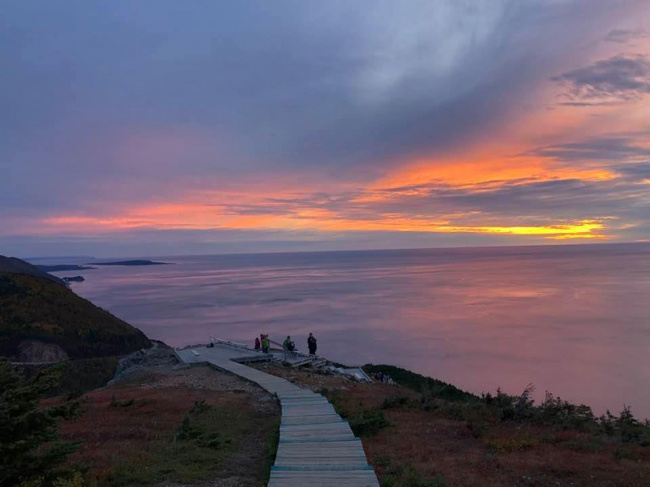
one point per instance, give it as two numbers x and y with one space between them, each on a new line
288 344
257 343
265 344
311 344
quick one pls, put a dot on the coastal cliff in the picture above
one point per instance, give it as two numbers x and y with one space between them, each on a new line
38 310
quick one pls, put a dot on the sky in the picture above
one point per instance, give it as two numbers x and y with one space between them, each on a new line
161 127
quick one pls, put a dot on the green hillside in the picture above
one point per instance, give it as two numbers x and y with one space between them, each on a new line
37 309
17 266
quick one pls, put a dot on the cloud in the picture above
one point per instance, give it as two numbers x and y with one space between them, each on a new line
622 36
617 79
636 172
519 207
118 102
610 148
432 214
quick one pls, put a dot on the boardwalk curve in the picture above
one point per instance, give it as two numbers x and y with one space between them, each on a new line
317 447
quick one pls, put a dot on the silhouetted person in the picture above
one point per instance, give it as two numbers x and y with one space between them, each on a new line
288 344
258 345
311 343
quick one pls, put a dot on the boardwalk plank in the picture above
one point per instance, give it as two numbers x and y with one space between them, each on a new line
317 447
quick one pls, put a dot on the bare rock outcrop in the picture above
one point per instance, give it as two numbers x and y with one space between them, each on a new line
31 351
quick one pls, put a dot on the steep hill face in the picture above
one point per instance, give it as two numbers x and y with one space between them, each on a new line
17 266
42 319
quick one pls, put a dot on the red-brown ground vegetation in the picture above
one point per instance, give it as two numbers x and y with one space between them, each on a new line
414 442
186 426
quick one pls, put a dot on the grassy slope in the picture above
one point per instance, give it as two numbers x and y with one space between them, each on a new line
17 266
178 427
32 308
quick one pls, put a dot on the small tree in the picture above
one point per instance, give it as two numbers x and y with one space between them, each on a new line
30 450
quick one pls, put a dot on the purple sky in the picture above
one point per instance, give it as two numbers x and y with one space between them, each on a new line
160 127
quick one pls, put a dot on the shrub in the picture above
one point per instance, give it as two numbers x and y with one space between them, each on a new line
625 454
395 402
631 430
507 445
436 388
200 406
193 428
367 423
120 404
30 452
583 445
555 411
407 476
382 460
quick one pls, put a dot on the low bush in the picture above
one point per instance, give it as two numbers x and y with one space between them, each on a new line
367 422
381 460
508 445
395 402
115 403
407 476
626 454
583 445
553 412
420 383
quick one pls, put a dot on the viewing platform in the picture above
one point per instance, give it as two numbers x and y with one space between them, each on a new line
316 446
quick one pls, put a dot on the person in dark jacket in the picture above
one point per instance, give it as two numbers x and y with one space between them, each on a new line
258 345
311 344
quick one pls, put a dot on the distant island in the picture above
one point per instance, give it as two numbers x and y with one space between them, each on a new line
131 263
63 267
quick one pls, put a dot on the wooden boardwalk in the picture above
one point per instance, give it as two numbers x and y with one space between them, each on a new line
317 447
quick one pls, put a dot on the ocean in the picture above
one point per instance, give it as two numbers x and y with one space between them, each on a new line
573 320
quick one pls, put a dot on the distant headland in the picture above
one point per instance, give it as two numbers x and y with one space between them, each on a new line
90 266
63 267
131 263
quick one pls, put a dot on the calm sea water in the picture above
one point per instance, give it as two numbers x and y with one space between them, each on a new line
574 320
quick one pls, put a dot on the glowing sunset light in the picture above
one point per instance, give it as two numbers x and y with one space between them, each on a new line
485 171
583 229
367 127
210 217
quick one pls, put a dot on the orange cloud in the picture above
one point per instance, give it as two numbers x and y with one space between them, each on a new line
205 217
495 171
